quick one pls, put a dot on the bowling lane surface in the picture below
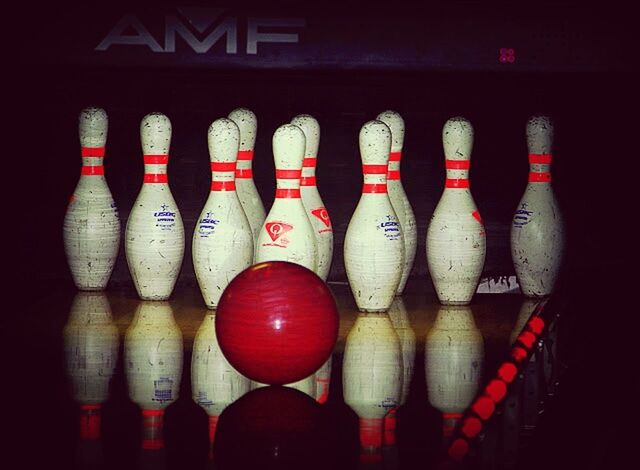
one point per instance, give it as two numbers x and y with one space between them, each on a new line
134 384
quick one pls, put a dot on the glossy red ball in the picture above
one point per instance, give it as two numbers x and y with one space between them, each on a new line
277 322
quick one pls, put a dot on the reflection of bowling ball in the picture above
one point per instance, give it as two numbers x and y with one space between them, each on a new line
277 322
274 427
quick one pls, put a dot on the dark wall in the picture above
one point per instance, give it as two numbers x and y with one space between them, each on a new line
593 147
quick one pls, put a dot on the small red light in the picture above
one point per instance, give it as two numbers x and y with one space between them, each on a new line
536 324
496 389
458 449
471 427
483 407
527 339
507 55
507 372
518 354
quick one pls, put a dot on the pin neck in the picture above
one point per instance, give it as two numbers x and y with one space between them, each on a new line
288 179
223 171
92 158
155 168
457 173
244 162
375 178
539 167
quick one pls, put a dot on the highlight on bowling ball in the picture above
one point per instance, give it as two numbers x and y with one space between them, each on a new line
277 322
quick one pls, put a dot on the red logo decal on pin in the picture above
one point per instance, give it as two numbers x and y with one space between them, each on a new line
277 229
322 214
476 215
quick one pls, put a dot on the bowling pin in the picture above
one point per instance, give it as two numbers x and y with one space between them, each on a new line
373 244
372 375
318 215
454 355
287 234
153 365
91 228
246 121
214 382
537 230
154 241
397 195
222 240
456 240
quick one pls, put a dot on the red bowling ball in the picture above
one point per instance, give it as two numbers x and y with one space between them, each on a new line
277 322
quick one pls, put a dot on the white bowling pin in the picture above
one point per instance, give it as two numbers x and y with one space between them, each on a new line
287 234
91 228
397 195
373 244
372 374
222 239
153 365
454 355
537 230
247 122
524 314
318 215
154 240
456 239
214 382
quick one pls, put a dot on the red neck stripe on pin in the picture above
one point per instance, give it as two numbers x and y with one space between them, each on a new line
457 164
156 159
393 175
223 186
309 162
374 169
88 170
245 154
540 158
395 156
155 178
288 193
456 183
223 166
92 151
380 188
288 174
244 173
539 177
308 181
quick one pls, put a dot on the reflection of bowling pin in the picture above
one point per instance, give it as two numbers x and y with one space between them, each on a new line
397 195
456 241
245 186
454 352
323 381
318 215
153 365
372 375
402 326
91 353
373 244
287 234
91 229
537 230
154 241
214 382
222 239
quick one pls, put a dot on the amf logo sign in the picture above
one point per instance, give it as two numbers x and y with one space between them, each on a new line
201 29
